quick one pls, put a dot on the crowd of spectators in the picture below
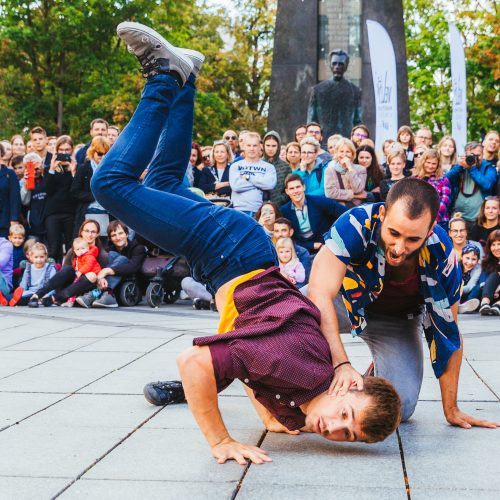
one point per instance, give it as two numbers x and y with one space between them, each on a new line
59 246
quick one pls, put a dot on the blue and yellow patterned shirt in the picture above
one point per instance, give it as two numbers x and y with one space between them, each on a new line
354 237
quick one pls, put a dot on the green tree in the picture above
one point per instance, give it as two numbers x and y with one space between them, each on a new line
428 53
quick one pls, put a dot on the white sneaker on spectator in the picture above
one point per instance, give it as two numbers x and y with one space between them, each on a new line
469 306
69 303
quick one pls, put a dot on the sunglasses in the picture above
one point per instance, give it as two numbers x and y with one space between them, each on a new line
98 153
206 157
230 137
418 155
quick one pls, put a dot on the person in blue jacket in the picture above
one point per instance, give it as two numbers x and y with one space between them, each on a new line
310 215
471 182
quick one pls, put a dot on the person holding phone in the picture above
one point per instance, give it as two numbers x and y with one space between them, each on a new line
60 205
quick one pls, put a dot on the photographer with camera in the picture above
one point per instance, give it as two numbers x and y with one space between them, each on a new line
472 179
60 205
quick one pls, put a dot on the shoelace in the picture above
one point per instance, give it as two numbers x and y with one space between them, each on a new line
148 62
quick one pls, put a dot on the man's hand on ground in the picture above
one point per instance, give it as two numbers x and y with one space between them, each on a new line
461 419
345 378
272 425
229 449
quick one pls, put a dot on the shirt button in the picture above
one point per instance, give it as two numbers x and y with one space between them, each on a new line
278 396
292 403
246 381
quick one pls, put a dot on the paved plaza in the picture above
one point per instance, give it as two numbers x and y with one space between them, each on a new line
74 423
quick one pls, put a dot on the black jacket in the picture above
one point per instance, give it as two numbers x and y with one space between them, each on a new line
135 253
59 198
208 178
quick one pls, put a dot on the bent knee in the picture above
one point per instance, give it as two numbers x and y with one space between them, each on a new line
193 357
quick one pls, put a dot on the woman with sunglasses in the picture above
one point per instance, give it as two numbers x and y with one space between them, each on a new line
88 207
60 205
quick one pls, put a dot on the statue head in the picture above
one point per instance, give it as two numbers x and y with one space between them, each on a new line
339 61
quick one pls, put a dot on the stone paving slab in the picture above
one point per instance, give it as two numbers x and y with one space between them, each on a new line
106 441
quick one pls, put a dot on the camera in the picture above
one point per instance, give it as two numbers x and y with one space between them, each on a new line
63 157
471 159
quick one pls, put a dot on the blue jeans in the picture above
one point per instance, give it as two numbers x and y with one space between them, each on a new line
4 286
218 243
116 259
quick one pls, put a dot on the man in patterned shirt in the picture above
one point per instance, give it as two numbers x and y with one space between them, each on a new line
397 275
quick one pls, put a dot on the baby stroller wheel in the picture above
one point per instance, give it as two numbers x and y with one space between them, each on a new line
130 294
154 294
171 296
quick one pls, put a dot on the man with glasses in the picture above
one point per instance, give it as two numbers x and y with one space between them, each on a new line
423 137
315 131
310 215
358 134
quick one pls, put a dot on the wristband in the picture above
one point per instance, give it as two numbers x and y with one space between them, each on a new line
341 364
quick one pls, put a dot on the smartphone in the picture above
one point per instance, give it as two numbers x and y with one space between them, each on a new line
65 157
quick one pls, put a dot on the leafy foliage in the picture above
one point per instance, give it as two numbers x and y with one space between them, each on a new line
428 52
63 65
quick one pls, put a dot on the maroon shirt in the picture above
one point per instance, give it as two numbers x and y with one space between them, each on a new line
277 348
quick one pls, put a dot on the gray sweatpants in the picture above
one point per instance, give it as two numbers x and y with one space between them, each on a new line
396 348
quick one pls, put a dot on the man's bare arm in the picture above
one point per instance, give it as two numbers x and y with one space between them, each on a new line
448 383
198 380
326 279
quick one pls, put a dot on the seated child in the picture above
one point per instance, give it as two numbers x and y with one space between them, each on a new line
472 279
17 236
37 273
290 266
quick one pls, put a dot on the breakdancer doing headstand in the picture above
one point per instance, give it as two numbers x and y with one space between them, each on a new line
272 340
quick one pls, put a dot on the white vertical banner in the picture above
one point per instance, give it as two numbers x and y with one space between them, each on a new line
383 63
459 89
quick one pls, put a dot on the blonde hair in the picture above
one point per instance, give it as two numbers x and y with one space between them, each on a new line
99 144
79 241
36 246
255 135
229 151
428 154
311 141
343 141
333 139
28 245
445 138
396 151
287 243
17 229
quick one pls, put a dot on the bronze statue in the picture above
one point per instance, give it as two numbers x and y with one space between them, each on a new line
336 104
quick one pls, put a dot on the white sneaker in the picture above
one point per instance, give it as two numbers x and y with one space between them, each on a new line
155 54
68 304
468 306
196 57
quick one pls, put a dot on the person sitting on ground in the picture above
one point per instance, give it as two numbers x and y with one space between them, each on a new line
214 180
272 145
367 158
36 275
6 270
490 303
65 278
125 258
428 168
345 181
290 266
310 215
291 378
457 231
396 161
487 221
266 216
17 236
251 177
472 280
283 229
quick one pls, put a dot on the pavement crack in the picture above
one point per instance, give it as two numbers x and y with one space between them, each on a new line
403 465
481 378
106 453
247 468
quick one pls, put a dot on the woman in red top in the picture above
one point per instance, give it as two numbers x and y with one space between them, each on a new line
64 281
